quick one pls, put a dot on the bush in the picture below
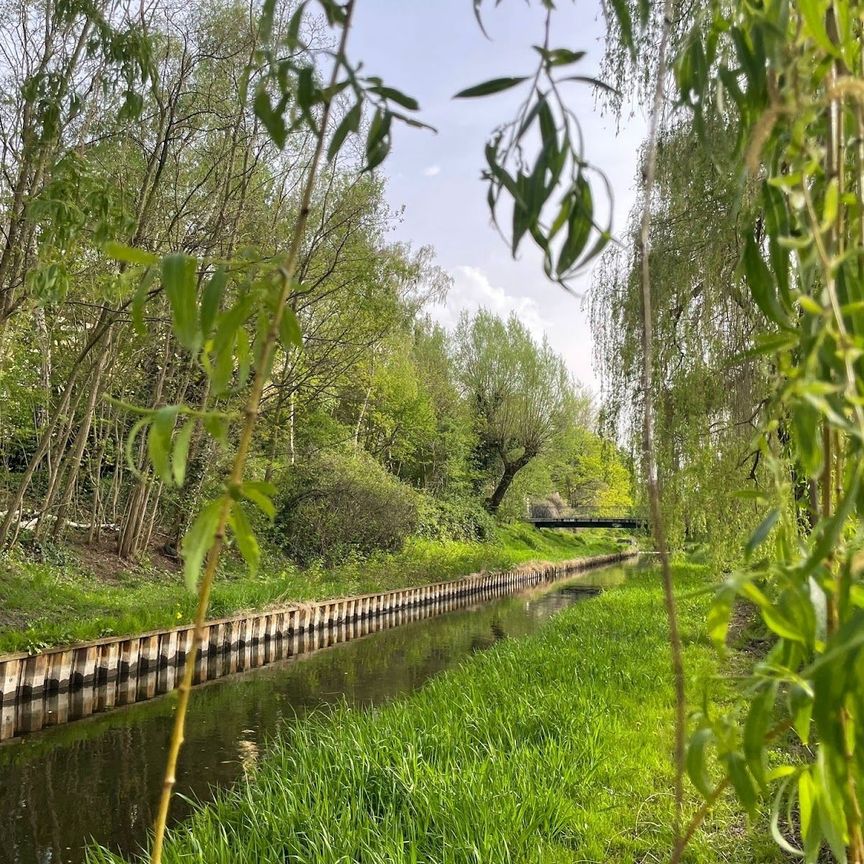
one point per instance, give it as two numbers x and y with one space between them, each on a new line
341 505
454 517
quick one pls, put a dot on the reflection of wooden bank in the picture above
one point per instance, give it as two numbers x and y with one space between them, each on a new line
70 683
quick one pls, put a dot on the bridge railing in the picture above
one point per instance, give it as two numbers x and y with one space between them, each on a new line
551 510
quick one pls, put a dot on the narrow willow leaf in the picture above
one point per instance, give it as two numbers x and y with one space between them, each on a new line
761 283
265 21
273 121
211 300
759 719
129 254
594 82
350 123
487 88
261 495
801 711
776 808
806 799
719 615
813 13
178 279
180 455
622 12
198 540
159 441
140 299
762 531
292 33
742 782
290 333
397 96
245 538
580 222
697 768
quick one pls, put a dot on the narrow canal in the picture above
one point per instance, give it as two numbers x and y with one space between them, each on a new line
97 780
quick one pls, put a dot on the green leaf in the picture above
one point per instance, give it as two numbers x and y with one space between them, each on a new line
181 452
742 782
580 222
756 727
813 13
140 298
487 88
265 21
290 333
806 799
178 279
396 96
559 56
622 12
306 90
718 616
801 711
761 283
350 123
762 531
377 139
159 441
292 34
198 540
697 769
245 537
594 82
273 121
129 254
261 495
805 422
211 299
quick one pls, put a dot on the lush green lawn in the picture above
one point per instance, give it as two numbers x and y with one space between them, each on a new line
551 749
44 604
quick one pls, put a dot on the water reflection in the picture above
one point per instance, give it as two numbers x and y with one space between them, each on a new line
99 778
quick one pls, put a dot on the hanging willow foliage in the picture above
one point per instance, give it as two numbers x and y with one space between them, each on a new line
789 76
772 95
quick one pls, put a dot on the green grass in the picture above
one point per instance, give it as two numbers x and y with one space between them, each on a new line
47 604
551 749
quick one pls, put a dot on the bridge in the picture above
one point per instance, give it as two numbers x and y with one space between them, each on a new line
633 523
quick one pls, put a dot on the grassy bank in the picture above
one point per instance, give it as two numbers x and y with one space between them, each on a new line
552 749
70 598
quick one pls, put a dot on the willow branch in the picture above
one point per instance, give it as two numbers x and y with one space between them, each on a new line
287 272
648 443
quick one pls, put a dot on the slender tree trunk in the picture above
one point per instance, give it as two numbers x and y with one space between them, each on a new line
81 440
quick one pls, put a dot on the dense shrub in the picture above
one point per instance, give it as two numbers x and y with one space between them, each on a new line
340 505
454 517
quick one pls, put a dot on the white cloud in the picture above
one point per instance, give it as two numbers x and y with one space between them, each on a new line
472 290
432 171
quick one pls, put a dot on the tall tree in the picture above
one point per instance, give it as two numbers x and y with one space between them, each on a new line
519 391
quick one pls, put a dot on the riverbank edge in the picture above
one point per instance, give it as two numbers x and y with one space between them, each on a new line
549 748
113 660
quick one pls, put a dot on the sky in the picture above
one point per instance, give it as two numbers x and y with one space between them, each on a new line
431 49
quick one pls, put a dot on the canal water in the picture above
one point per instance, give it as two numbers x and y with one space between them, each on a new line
98 780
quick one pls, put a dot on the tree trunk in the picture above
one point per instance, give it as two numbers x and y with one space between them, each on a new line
81 440
511 469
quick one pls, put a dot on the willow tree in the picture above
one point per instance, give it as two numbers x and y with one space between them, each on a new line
520 393
787 78
710 394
